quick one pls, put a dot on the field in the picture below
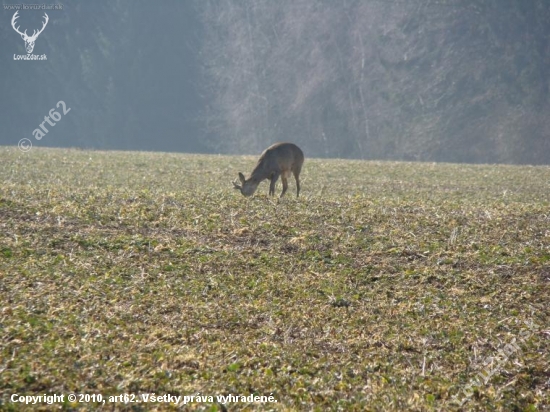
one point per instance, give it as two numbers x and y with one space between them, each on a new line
384 287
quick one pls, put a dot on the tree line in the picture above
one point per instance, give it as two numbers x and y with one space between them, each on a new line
422 80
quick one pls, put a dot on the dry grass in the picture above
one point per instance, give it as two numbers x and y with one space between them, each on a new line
385 287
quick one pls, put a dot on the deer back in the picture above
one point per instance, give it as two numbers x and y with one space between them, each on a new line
279 158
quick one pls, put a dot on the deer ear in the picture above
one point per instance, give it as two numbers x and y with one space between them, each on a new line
241 178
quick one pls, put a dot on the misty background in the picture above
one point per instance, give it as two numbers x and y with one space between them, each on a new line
426 80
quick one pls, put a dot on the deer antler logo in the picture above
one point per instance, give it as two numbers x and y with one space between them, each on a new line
29 40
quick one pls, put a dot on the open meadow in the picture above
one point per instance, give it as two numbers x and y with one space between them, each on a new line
384 287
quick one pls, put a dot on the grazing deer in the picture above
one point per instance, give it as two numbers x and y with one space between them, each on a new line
281 159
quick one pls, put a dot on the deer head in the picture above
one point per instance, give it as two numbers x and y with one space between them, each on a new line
29 40
247 187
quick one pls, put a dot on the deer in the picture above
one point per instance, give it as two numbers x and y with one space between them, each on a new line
29 40
280 159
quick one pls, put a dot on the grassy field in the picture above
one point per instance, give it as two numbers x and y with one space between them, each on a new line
385 286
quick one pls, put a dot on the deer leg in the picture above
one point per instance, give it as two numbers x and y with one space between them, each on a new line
285 185
297 177
274 178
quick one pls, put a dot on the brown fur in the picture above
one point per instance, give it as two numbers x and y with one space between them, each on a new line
281 159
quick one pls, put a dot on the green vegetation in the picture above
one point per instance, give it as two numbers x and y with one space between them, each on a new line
386 286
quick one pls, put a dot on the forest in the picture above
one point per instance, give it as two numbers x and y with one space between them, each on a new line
420 80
